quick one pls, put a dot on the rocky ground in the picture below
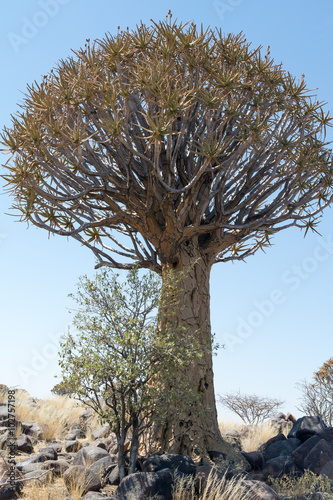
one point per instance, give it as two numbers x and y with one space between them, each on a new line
89 468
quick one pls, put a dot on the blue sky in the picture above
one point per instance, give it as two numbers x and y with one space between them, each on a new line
274 312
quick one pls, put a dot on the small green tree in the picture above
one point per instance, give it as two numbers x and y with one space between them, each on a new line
113 362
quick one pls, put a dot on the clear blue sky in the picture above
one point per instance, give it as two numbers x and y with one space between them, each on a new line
274 312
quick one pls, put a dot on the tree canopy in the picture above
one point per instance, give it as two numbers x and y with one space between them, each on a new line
142 141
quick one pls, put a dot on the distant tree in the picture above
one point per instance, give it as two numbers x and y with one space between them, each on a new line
113 361
251 409
60 389
165 146
317 396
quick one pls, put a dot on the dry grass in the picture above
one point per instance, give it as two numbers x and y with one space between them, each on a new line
298 487
55 415
250 437
36 490
216 489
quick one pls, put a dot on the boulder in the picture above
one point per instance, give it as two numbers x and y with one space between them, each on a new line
100 443
255 459
318 456
260 491
37 458
56 446
72 446
80 480
101 432
279 466
326 434
50 452
9 472
327 470
58 467
102 465
302 451
114 477
88 455
306 427
181 463
204 471
3 412
23 443
274 439
144 485
33 430
281 448
93 495
25 468
79 433
70 436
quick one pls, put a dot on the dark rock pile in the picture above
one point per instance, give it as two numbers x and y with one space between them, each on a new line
91 467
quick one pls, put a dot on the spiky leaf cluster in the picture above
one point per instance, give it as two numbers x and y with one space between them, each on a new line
156 136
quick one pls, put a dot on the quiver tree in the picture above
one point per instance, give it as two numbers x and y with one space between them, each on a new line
167 146
317 395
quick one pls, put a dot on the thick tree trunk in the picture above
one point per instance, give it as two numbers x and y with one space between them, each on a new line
197 432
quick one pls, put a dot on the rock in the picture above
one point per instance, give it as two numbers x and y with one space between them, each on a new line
260 491
90 454
37 458
113 448
279 466
59 466
3 412
70 436
306 427
92 495
50 452
143 485
100 443
327 470
79 433
9 472
217 456
281 448
79 479
302 451
281 422
255 459
72 446
274 439
114 478
326 434
182 463
101 465
33 430
101 432
44 476
318 456
26 467
23 443
56 446
203 471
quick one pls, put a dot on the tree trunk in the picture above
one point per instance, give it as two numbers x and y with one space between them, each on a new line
197 432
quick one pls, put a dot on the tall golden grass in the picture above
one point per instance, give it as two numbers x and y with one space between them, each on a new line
250 438
55 415
216 489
